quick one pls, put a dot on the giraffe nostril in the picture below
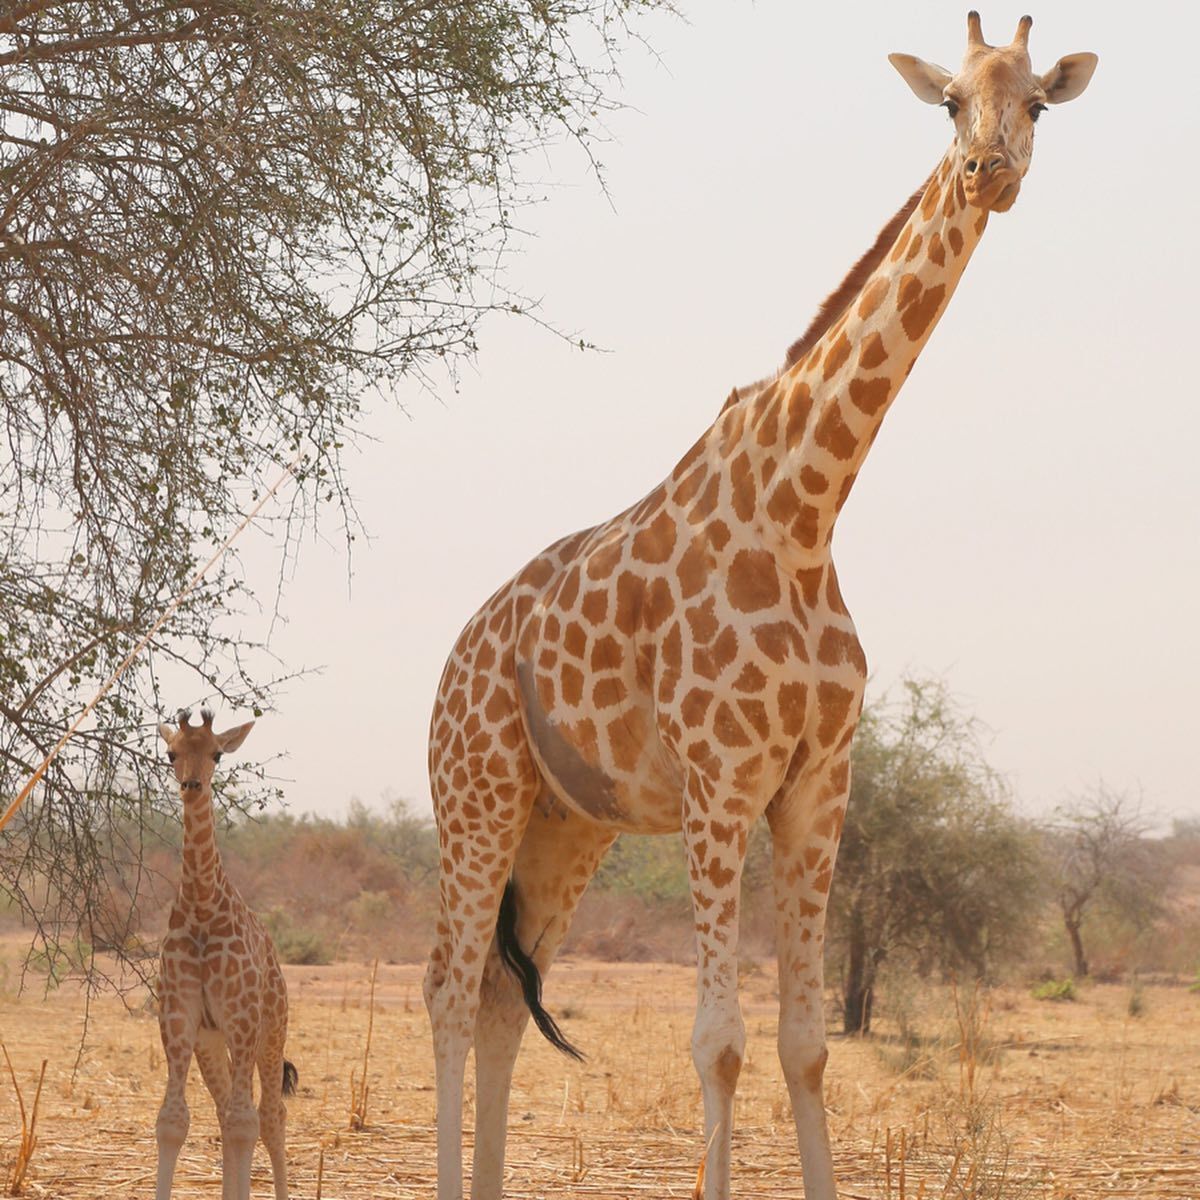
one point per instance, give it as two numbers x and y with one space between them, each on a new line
995 162
972 165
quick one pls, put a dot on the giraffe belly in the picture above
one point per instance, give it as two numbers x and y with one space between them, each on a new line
646 799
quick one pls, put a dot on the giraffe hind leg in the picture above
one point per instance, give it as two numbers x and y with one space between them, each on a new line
273 1077
557 858
472 885
526 973
213 1060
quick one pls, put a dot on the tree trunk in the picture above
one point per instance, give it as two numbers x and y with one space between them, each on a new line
857 992
1081 963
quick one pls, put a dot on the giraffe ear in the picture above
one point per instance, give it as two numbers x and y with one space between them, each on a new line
166 733
1068 77
231 739
927 80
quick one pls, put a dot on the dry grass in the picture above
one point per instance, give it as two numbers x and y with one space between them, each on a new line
19 1170
360 1089
1069 1102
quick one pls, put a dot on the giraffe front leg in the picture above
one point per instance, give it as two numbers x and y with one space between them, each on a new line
178 1018
557 858
171 1128
805 828
716 846
241 1126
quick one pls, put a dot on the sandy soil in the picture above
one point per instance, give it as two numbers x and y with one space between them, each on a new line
1089 1101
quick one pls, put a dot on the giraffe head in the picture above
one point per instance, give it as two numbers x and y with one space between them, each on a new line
994 101
195 750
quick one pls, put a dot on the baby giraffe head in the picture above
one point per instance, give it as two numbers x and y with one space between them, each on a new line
195 750
994 102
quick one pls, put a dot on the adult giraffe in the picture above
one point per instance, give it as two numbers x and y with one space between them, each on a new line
690 664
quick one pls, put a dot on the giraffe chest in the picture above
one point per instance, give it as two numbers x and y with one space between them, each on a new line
219 954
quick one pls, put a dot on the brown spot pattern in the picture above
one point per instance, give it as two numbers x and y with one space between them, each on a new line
753 581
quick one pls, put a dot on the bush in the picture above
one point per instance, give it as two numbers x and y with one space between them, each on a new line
1056 989
297 945
1137 1000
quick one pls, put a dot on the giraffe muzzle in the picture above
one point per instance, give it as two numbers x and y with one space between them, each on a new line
993 188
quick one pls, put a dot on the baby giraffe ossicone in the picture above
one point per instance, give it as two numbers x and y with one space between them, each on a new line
222 995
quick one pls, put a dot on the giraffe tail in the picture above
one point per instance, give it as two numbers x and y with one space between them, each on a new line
525 970
291 1077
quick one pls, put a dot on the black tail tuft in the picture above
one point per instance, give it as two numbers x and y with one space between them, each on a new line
525 970
291 1077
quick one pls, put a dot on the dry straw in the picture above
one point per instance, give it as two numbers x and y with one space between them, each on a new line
359 1090
28 1143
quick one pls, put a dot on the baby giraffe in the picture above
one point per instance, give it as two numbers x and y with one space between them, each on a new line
222 995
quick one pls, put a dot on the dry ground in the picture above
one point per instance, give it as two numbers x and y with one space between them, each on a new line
1091 1102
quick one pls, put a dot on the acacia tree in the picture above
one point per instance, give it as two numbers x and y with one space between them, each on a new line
933 862
222 221
1103 862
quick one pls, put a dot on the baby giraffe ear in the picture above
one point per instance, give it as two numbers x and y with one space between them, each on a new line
927 80
231 739
166 733
1068 77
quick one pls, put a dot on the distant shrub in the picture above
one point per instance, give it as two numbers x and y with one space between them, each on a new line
1056 989
1137 1000
295 944
370 909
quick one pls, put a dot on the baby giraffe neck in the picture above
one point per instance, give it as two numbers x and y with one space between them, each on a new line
202 870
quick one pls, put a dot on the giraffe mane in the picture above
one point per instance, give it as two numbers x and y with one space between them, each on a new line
837 300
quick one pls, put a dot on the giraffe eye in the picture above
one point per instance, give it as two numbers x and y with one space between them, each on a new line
951 106
171 756
217 756
1036 110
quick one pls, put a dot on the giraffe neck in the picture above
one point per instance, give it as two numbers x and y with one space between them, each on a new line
812 427
202 870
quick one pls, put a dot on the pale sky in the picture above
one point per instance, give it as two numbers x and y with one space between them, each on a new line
1027 525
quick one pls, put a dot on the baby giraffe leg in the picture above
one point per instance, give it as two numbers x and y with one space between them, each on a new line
213 1060
173 1117
272 1114
178 1018
241 1119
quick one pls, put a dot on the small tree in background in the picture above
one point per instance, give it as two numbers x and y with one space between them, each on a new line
1103 863
933 861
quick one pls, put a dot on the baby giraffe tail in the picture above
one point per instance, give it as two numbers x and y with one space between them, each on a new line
525 970
291 1077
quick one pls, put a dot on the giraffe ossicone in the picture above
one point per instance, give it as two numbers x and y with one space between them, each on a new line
690 665
221 993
